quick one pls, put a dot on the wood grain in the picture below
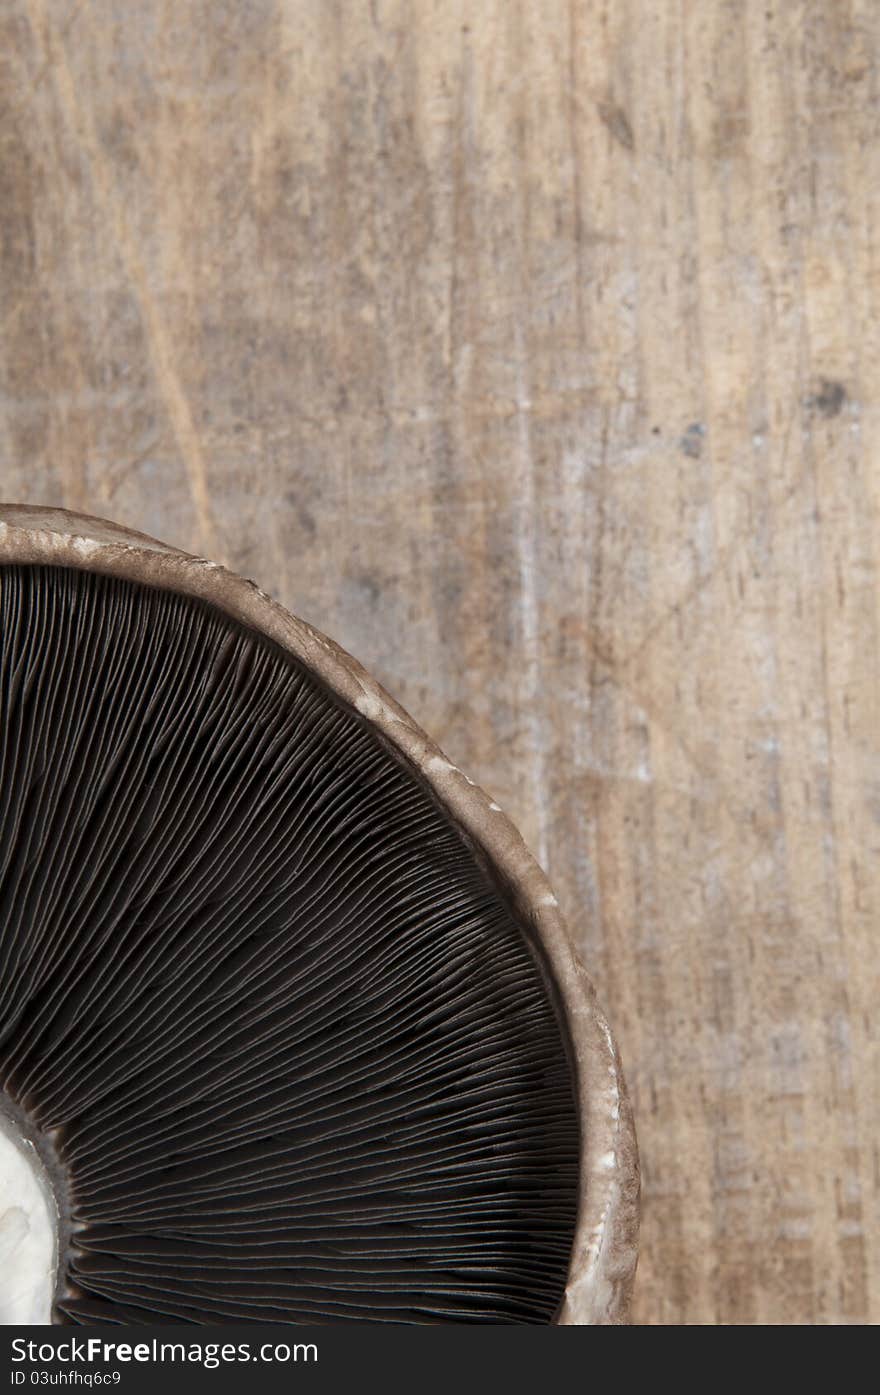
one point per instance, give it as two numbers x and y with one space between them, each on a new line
530 349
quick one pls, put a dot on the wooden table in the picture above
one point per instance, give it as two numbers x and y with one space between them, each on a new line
531 349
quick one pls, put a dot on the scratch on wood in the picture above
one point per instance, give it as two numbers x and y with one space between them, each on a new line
616 121
81 129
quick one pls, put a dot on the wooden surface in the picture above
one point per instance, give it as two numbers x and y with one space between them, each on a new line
531 349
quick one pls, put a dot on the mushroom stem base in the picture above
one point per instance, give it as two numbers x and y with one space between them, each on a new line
29 1227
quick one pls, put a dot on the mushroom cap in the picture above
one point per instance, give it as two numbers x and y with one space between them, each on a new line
389 807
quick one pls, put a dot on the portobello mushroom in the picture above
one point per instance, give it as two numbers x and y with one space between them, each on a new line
290 1026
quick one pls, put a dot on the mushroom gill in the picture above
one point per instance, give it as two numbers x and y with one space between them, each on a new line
285 1050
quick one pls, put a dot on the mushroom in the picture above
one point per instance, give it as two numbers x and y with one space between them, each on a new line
291 1029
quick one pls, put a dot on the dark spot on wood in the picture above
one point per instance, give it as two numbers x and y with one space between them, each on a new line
828 398
730 133
367 587
691 443
615 119
304 516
